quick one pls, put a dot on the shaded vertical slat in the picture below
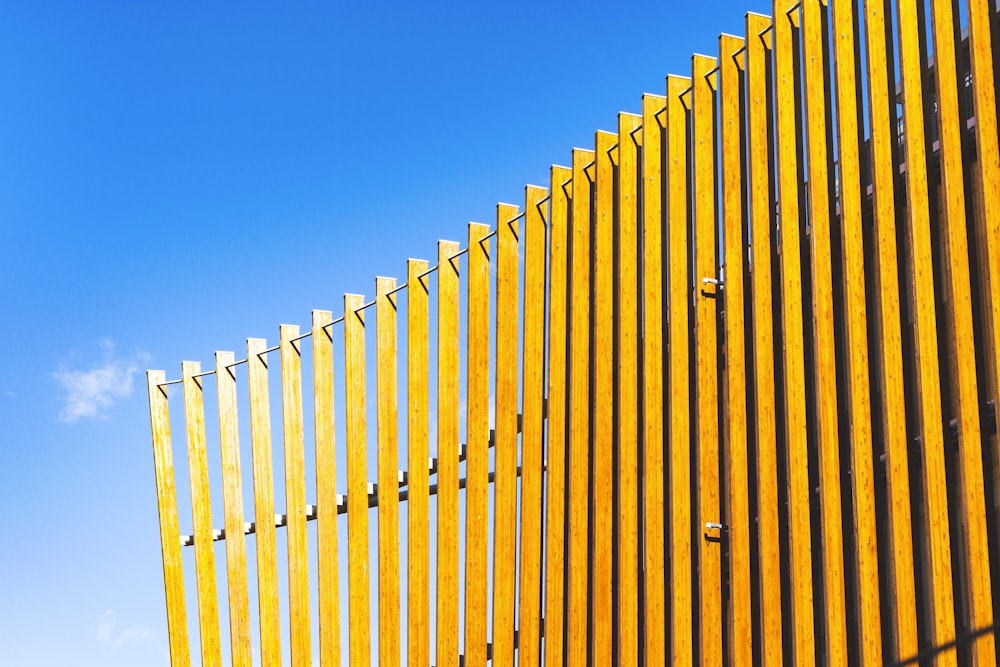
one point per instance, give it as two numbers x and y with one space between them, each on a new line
627 409
706 372
505 455
738 612
166 505
886 310
532 404
936 522
959 315
359 619
201 511
388 474
580 408
326 489
295 494
759 135
556 431
653 407
602 402
477 464
447 455
263 502
418 484
679 342
232 495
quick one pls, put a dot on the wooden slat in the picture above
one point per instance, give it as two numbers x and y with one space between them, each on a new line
602 323
532 404
232 495
627 408
975 554
886 310
477 464
295 494
738 612
166 505
447 453
653 408
359 624
679 342
579 408
555 453
263 502
388 474
201 515
418 502
935 490
759 135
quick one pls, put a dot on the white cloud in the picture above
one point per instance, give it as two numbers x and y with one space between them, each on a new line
90 393
108 633
106 625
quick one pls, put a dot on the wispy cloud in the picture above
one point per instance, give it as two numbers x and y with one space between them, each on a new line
90 393
108 632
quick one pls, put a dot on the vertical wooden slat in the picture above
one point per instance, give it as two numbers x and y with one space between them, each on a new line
655 646
201 511
678 247
477 464
627 409
706 372
326 489
555 453
359 623
886 310
166 505
738 611
263 502
232 495
580 407
928 382
388 474
447 455
532 403
505 455
976 554
418 484
602 401
295 494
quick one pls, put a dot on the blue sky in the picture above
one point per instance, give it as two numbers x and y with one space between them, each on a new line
176 178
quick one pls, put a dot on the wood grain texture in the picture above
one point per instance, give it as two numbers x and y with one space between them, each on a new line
166 506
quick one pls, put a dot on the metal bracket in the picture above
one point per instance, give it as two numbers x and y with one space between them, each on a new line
715 526
719 284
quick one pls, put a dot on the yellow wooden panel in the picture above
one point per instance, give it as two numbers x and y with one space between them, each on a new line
447 455
922 284
477 458
232 495
418 485
603 323
388 474
652 377
295 494
166 505
627 409
579 408
355 394
887 314
976 554
533 400
679 342
201 511
263 502
738 613
555 454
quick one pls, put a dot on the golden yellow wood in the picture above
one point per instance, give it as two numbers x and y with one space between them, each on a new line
166 505
359 623
232 495
532 408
